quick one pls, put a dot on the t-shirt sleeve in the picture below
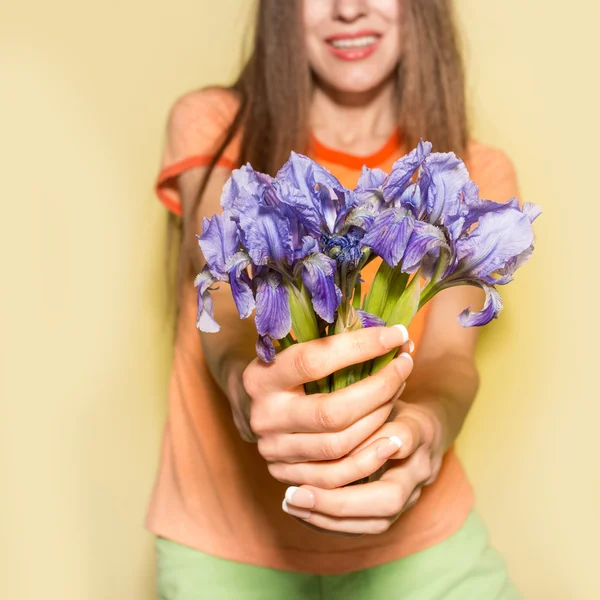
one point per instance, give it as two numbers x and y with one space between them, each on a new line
196 125
493 171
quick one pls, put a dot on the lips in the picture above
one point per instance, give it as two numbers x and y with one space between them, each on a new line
353 46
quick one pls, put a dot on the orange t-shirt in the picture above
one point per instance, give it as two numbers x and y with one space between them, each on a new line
213 491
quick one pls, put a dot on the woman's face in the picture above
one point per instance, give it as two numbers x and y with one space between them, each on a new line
352 45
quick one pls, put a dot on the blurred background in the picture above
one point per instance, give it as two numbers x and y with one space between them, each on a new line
84 325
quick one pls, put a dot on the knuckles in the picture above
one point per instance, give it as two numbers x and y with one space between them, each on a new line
306 364
326 419
395 502
331 449
250 379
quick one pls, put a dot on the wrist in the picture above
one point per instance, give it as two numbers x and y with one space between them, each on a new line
238 397
440 418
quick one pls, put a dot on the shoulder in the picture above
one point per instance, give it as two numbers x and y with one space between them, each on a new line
492 170
209 111
197 123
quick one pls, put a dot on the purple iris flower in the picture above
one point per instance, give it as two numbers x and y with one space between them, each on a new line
329 199
225 261
489 254
292 246
369 320
403 170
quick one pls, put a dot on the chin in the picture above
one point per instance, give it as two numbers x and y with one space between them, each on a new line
354 81
355 85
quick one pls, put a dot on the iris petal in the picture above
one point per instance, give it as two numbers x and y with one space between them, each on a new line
205 320
240 284
319 278
245 178
300 207
490 310
390 234
369 320
425 239
267 235
403 170
368 190
443 178
218 241
500 237
273 315
265 349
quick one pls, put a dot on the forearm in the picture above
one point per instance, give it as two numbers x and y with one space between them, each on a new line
446 386
228 353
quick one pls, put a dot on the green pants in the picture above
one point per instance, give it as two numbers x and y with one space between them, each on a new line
462 567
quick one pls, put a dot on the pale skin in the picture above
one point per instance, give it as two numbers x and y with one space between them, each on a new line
317 444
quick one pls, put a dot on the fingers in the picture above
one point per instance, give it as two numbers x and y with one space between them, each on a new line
354 526
337 473
301 447
311 361
365 508
322 413
406 427
377 499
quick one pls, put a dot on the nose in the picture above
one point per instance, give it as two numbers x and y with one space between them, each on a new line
350 10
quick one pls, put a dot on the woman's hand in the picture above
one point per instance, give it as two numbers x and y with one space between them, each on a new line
307 438
372 507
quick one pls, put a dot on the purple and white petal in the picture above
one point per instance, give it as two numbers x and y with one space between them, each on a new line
267 235
309 245
403 171
425 239
411 199
490 310
273 315
240 283
443 178
300 206
318 275
218 241
265 349
369 188
533 211
390 234
369 320
499 238
244 178
205 319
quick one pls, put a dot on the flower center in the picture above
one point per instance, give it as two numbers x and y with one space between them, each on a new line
345 249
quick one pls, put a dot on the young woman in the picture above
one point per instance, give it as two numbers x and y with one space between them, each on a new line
251 498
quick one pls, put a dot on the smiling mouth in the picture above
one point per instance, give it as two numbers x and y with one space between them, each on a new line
353 46
353 42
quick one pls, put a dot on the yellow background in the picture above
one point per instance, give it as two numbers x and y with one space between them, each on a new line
85 89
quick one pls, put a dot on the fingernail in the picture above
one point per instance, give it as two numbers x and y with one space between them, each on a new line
394 336
300 497
404 332
295 512
389 447
411 346
405 356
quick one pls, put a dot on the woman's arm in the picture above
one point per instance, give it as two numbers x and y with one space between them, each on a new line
230 351
445 379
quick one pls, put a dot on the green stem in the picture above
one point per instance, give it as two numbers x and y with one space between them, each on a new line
306 328
287 341
402 313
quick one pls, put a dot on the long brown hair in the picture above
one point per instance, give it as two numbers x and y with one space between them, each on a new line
274 89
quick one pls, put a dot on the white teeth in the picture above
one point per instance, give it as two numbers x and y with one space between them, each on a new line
360 42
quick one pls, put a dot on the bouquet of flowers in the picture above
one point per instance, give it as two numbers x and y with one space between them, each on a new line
292 248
